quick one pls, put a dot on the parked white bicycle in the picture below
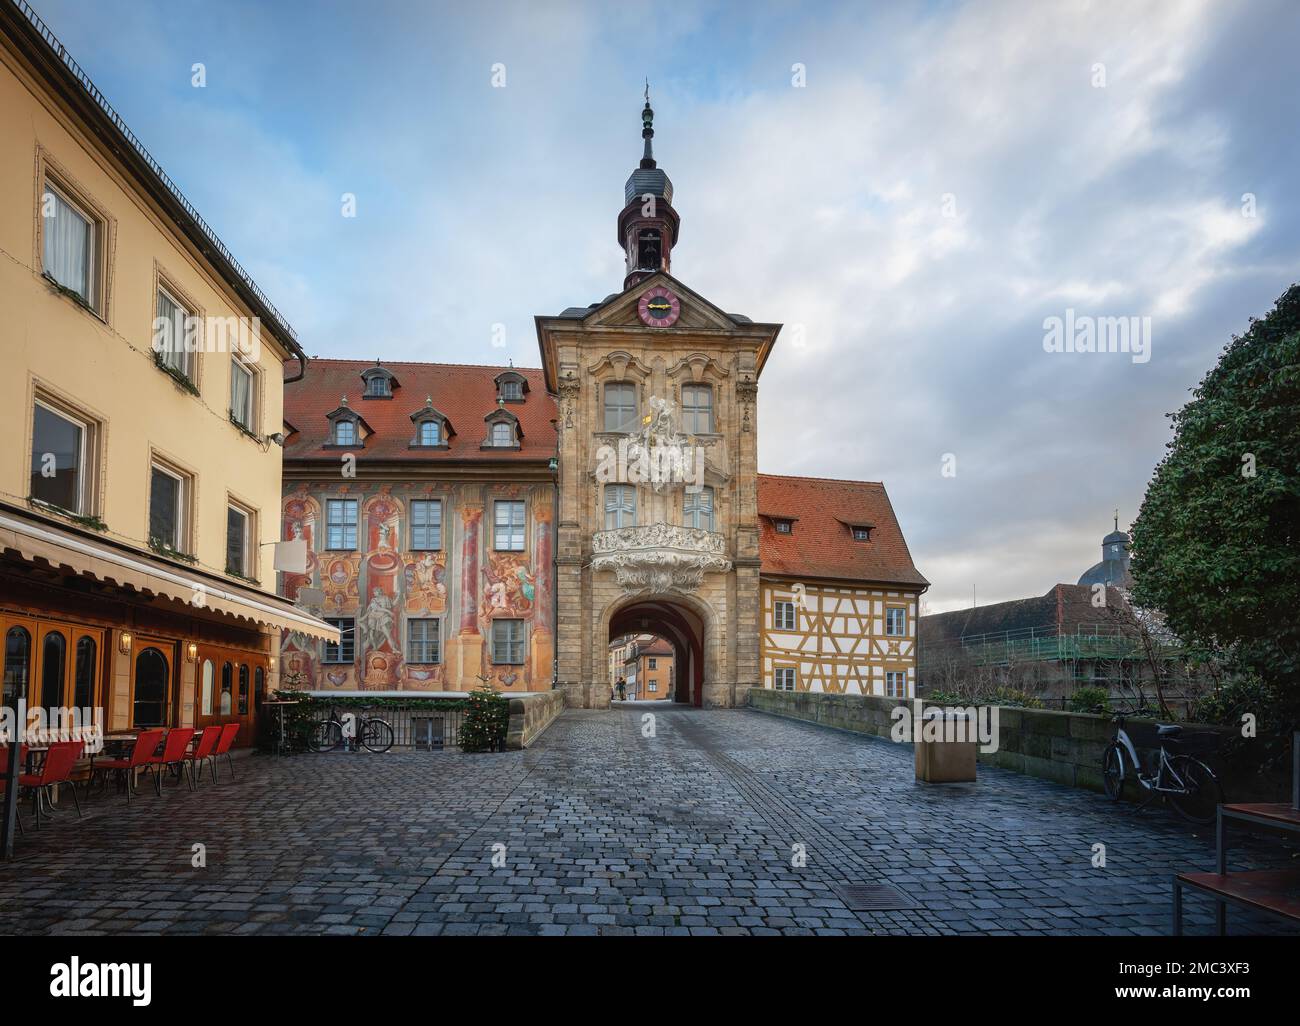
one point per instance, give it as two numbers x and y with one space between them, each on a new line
1193 789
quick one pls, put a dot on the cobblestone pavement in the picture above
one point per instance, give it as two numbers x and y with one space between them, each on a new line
606 831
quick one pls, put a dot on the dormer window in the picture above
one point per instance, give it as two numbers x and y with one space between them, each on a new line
378 382
784 526
861 534
512 387
345 427
503 430
431 429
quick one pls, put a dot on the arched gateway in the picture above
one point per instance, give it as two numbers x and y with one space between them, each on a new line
685 628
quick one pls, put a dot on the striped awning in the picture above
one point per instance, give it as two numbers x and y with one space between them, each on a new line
38 540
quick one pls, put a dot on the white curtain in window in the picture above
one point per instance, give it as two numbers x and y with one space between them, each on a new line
241 391
169 337
69 241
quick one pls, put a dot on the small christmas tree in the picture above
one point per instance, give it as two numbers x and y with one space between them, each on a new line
487 716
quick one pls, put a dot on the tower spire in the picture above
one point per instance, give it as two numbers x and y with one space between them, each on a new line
647 129
648 224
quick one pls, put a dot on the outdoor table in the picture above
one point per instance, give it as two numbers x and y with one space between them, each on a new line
280 704
1273 891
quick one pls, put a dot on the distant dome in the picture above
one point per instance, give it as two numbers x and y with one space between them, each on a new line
1113 570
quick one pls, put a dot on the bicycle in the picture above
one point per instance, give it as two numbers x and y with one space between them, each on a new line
1191 787
373 734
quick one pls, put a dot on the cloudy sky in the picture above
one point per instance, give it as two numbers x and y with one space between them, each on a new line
912 189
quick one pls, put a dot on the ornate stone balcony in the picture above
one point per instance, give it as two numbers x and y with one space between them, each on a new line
659 557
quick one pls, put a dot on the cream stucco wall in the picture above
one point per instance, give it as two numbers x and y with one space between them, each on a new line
103 366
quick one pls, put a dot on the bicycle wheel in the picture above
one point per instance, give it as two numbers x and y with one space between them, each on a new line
1204 792
376 736
325 736
1112 771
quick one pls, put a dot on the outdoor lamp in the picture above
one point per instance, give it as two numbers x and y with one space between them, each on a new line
124 642
191 652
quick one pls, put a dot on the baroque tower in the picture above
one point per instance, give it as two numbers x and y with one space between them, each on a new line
648 226
657 521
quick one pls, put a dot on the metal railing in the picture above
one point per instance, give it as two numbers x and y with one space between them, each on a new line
421 729
93 91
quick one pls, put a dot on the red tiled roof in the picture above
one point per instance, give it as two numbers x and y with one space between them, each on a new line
821 544
464 394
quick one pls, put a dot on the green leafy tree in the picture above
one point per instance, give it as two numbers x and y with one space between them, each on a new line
1216 546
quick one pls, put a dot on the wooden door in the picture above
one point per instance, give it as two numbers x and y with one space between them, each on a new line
227 689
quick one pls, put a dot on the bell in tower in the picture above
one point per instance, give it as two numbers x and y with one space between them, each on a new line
648 225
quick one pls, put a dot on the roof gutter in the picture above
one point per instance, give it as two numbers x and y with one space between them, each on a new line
32 38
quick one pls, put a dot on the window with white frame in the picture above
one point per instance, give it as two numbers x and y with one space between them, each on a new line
422 641
345 432
239 541
512 390
71 237
783 618
896 622
896 683
242 384
620 406
697 409
697 509
503 433
341 524
62 444
653 663
346 650
620 506
430 432
168 501
507 642
862 534
171 341
783 678
426 524
508 525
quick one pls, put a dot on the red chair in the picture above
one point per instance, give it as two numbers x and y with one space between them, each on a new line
60 757
146 743
173 754
4 784
228 733
203 749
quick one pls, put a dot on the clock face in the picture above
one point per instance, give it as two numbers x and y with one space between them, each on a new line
659 308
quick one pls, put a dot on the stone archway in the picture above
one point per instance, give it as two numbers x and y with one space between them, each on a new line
684 624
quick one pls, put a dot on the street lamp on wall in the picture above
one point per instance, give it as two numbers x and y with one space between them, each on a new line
124 642
191 652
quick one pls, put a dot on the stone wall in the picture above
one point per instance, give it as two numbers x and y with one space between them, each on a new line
1062 746
530 715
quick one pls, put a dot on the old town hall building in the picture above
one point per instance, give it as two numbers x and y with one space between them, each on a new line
471 524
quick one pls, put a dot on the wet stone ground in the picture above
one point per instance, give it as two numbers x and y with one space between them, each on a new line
599 829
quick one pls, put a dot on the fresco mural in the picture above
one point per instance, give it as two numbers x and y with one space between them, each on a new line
464 584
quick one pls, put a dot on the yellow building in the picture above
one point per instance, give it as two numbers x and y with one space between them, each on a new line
649 670
142 399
